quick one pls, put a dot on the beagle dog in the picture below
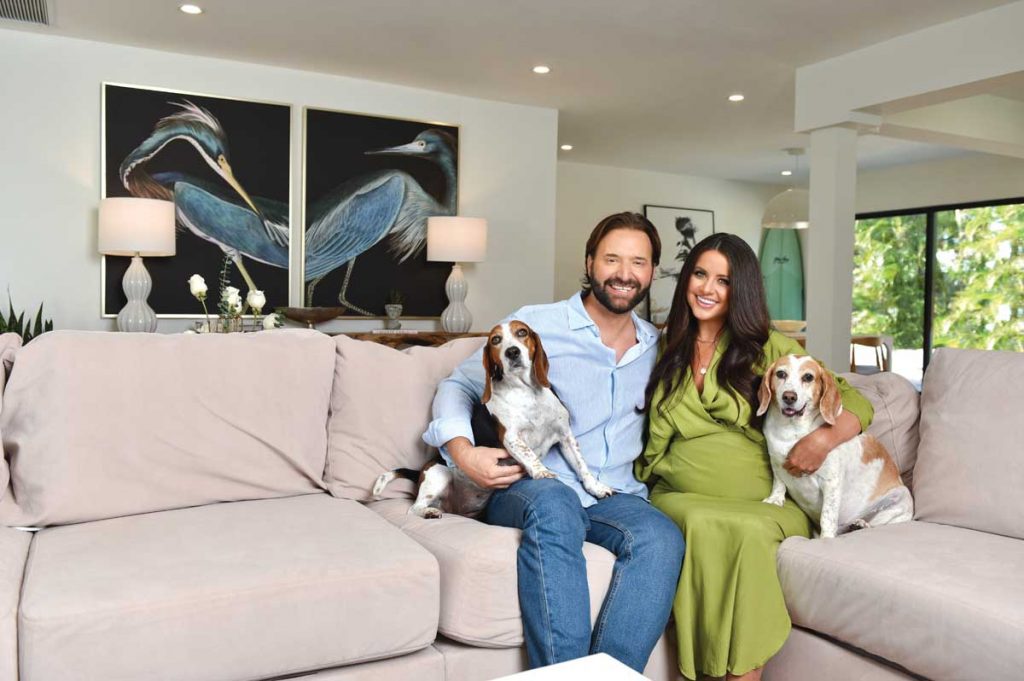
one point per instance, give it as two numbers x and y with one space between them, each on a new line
858 485
529 419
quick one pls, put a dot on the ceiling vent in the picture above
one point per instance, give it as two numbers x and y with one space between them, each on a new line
28 11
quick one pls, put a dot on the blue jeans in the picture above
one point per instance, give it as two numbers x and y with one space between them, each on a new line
553 592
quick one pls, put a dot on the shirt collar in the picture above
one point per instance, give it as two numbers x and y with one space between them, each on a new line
580 319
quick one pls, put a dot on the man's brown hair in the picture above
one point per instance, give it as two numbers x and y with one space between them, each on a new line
625 220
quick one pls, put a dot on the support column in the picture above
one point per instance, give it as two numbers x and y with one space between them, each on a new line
829 261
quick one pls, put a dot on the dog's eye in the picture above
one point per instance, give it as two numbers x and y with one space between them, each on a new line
780 374
495 340
808 378
521 333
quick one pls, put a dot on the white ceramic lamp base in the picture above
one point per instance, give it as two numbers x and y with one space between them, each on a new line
456 317
136 315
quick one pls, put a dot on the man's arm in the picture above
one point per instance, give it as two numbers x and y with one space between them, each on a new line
452 433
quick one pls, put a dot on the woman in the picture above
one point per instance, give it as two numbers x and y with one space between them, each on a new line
706 450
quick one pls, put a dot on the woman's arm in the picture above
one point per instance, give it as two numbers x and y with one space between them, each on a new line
809 453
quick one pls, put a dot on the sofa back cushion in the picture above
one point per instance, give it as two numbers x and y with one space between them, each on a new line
380 407
897 414
98 425
970 465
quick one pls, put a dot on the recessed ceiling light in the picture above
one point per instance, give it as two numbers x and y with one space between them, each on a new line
787 173
191 9
736 97
566 147
541 69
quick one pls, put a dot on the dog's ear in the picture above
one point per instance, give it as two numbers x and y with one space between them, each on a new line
539 362
492 372
831 403
764 393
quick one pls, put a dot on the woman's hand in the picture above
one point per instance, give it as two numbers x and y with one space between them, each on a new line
810 451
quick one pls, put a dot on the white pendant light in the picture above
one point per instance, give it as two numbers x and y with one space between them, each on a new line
791 208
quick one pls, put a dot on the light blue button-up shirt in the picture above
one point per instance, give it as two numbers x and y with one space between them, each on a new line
602 395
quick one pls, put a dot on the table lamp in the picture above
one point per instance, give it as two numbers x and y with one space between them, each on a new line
136 227
456 239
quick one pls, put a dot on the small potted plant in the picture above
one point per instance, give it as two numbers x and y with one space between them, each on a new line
393 308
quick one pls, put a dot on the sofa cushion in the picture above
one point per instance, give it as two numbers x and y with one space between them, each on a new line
14 545
897 413
380 407
479 585
99 425
246 590
940 601
970 467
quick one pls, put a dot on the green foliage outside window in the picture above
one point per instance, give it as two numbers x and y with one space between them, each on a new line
978 280
888 278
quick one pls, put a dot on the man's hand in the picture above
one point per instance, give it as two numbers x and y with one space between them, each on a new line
489 467
807 454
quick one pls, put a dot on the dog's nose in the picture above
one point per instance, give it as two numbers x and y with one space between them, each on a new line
789 397
513 353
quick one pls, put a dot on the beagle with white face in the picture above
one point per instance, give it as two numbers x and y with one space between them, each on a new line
530 420
858 485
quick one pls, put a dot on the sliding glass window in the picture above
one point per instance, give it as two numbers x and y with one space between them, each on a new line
947 276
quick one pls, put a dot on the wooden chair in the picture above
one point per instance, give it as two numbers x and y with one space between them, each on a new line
883 353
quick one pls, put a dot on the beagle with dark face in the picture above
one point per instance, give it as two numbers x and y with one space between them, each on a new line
858 485
530 420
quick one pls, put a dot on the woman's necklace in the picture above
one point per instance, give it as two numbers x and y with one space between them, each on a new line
702 366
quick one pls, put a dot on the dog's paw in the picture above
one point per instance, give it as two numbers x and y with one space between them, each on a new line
775 501
598 489
382 480
425 512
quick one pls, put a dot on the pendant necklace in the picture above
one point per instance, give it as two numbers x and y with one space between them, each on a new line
704 369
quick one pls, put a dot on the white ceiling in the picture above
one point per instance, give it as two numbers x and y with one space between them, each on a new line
639 84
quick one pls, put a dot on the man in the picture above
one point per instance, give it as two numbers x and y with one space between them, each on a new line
600 358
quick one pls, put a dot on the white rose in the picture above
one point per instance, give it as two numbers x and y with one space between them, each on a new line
229 292
256 300
197 285
271 322
235 303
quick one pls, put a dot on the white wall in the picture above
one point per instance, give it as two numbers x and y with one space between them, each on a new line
50 91
587 193
975 177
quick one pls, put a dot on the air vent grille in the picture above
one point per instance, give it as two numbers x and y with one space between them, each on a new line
30 11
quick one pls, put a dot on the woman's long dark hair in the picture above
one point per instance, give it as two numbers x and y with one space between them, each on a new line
747 320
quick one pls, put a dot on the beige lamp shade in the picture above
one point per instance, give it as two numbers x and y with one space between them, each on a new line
130 226
456 239
788 210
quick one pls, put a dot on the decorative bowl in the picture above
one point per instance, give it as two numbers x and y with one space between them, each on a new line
311 315
789 325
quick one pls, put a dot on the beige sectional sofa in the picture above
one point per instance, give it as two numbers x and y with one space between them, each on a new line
205 514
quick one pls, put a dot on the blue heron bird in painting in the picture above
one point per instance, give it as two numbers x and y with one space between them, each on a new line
341 225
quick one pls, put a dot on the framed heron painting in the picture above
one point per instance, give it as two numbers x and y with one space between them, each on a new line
226 164
680 229
369 185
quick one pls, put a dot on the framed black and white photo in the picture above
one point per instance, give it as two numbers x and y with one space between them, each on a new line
680 229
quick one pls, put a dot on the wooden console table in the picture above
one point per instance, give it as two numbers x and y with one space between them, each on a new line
408 339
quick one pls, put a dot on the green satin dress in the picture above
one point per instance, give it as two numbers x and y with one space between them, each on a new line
712 472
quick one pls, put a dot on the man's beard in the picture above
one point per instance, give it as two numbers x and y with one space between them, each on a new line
600 291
